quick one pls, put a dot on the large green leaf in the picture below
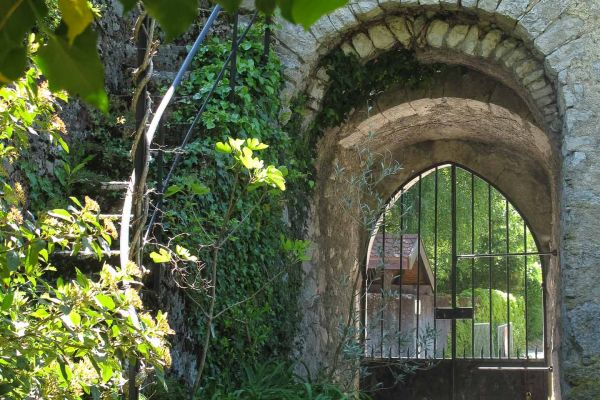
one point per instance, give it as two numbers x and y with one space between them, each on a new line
75 68
306 12
77 15
17 17
174 16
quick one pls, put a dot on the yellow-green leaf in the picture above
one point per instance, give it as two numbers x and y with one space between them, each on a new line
77 15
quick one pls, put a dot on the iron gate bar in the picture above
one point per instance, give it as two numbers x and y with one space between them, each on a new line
472 264
401 271
526 292
453 271
502 255
382 306
507 280
418 306
435 256
491 349
193 125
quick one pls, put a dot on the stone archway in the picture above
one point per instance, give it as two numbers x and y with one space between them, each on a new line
541 51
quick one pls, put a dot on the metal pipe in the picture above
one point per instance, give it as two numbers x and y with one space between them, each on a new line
149 136
473 264
191 127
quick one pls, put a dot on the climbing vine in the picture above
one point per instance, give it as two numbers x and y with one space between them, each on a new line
257 274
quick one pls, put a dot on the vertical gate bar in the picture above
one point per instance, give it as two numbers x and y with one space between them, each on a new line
435 257
401 271
490 264
473 264
526 290
382 283
453 271
418 308
507 279
233 65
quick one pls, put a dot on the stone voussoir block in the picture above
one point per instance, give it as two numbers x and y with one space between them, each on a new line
381 37
526 66
504 47
489 43
436 33
363 45
456 35
348 49
471 41
398 26
545 91
533 76
518 54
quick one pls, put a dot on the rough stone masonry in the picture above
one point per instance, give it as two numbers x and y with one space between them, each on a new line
547 52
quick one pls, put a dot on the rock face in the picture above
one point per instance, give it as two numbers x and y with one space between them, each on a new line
547 53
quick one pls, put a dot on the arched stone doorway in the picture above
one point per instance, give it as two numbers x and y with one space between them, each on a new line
521 46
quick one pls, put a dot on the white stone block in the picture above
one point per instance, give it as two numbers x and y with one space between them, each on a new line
381 37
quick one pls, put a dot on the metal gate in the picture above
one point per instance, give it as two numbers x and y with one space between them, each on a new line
454 284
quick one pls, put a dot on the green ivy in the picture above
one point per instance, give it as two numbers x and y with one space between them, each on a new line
255 262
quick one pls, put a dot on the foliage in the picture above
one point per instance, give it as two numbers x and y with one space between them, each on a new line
28 121
63 333
68 55
257 275
269 380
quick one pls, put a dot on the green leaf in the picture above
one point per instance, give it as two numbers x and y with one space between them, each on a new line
106 301
75 68
17 17
61 213
255 144
40 313
199 189
223 147
107 372
162 256
77 15
275 177
174 16
75 318
171 190
7 300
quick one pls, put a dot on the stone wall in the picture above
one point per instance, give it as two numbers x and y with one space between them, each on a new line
547 52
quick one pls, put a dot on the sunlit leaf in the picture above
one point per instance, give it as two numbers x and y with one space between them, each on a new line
223 147
162 256
106 301
77 15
